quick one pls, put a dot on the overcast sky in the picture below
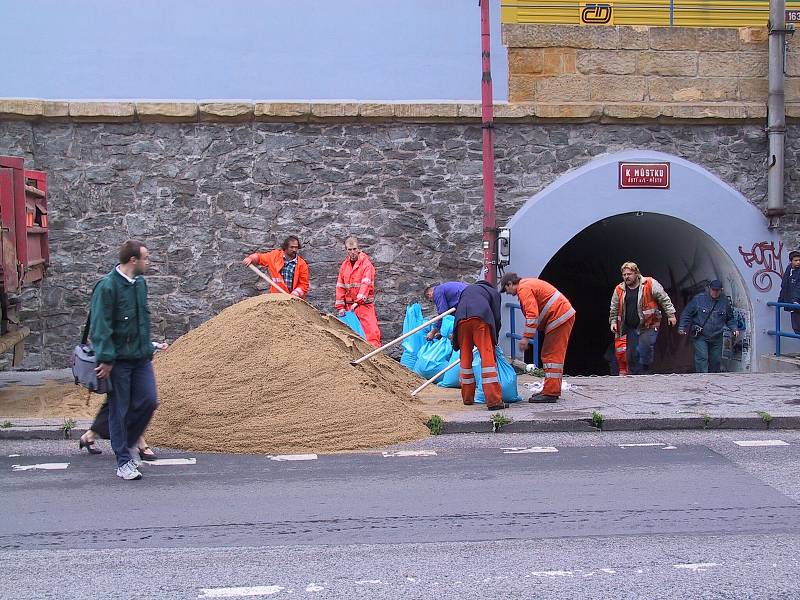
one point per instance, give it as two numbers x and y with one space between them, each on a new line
247 49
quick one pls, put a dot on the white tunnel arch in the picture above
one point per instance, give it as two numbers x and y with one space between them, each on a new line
591 194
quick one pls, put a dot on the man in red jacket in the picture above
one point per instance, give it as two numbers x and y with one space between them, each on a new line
285 266
355 290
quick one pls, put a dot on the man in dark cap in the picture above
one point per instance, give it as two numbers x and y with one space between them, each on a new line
704 319
790 287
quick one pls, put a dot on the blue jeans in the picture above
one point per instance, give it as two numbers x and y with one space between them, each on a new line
640 350
131 404
708 354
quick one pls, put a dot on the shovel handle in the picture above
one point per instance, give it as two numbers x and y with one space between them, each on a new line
263 276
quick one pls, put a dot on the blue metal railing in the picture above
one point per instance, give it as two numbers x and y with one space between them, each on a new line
777 331
514 336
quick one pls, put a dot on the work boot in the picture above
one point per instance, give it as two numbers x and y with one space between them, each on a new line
500 406
542 399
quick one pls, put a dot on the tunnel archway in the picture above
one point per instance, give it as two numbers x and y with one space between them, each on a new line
577 232
680 256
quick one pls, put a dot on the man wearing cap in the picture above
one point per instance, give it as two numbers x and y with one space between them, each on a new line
790 287
704 319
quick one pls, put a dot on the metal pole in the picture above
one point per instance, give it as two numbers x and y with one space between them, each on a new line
776 112
489 216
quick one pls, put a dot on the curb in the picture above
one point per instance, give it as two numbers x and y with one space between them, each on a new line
40 433
623 424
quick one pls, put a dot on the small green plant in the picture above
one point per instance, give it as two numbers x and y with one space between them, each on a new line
706 421
597 419
499 420
435 424
765 416
67 426
6 425
537 372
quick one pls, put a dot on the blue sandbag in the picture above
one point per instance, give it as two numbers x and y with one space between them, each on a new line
435 354
505 374
451 378
351 320
412 343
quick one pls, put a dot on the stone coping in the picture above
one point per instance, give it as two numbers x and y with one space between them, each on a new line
413 112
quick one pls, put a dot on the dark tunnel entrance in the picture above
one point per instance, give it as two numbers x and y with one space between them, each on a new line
680 256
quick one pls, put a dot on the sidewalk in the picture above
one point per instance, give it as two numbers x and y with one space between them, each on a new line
648 402
696 401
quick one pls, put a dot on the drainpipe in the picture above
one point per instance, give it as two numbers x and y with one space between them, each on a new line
776 113
489 216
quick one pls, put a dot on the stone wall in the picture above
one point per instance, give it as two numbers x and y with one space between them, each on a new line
204 194
648 65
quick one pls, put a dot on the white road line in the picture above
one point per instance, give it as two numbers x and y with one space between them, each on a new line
42 466
171 461
240 592
531 450
370 582
313 587
410 453
670 448
750 443
643 445
288 457
696 567
14 455
552 573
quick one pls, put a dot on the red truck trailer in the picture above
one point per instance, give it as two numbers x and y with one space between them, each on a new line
24 250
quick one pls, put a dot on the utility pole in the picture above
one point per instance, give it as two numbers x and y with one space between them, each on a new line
487 117
776 111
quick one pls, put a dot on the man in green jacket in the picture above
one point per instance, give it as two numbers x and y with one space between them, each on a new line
120 335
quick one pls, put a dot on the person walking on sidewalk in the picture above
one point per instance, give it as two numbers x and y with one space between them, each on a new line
548 310
790 288
355 290
445 296
636 307
120 334
478 324
284 266
704 320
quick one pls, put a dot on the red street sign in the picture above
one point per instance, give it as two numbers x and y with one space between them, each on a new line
644 175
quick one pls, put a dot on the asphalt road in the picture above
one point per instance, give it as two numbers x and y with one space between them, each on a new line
496 516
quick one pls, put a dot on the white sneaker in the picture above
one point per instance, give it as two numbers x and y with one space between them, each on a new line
128 471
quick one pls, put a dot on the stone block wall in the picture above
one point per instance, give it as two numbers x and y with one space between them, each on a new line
628 64
204 191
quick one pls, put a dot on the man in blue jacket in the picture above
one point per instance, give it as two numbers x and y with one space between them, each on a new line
790 287
477 325
704 319
120 335
445 296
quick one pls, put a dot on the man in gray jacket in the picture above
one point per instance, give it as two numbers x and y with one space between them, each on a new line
704 320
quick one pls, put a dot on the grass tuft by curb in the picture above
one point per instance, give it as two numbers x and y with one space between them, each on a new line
435 424
766 417
597 419
499 420
67 426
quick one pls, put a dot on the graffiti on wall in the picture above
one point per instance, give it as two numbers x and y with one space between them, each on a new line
766 256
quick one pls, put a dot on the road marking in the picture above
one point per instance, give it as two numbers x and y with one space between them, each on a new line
369 581
670 448
410 453
288 457
696 567
171 461
531 450
313 587
42 466
14 455
750 443
643 445
240 592
552 573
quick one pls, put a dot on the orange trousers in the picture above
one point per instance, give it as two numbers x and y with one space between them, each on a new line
554 351
474 332
369 323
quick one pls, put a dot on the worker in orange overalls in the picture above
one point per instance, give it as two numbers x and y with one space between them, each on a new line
478 324
355 290
545 309
285 266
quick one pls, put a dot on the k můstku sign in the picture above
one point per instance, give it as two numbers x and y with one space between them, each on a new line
644 175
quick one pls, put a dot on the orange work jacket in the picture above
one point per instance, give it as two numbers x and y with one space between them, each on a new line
273 262
544 307
648 305
356 282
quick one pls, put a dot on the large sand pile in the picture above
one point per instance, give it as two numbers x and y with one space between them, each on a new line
272 375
